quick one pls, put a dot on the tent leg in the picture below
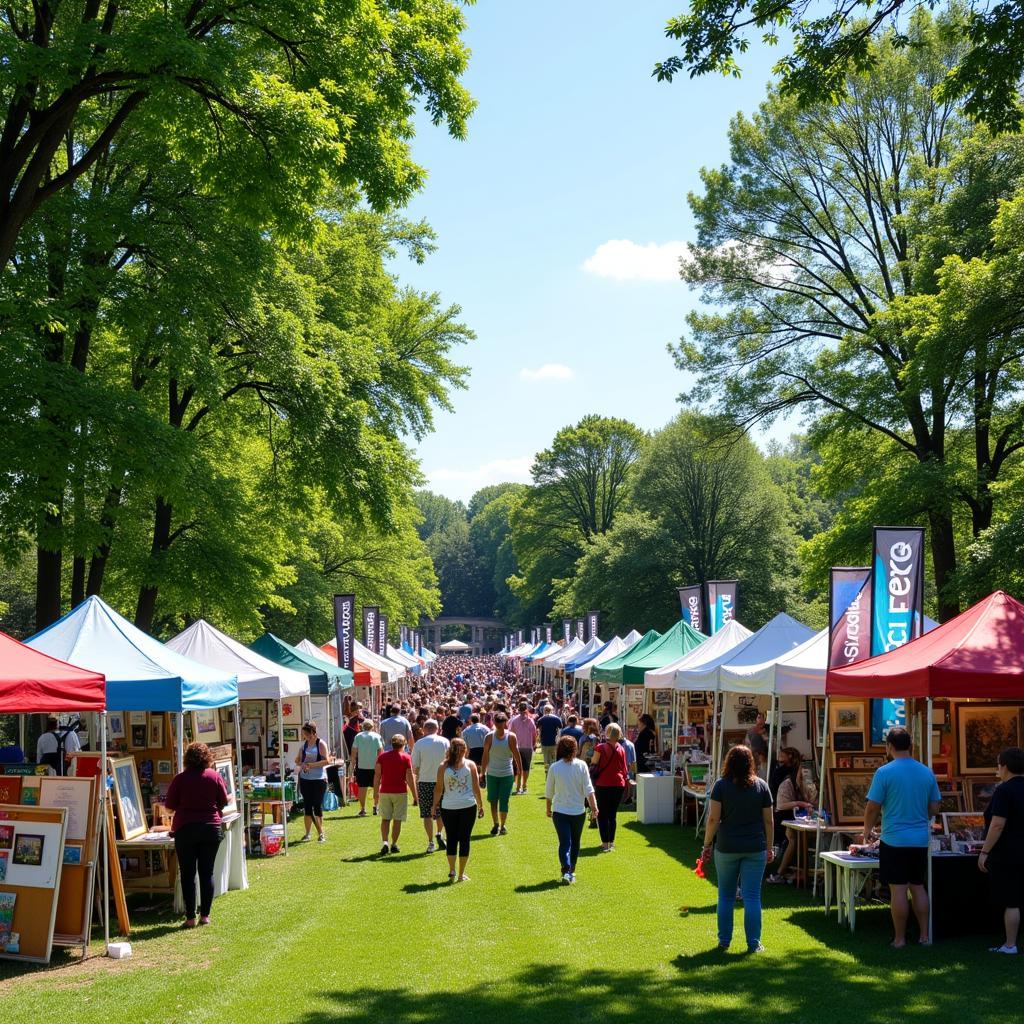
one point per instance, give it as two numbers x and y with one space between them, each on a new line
181 741
21 731
103 830
931 892
821 796
774 712
239 788
280 757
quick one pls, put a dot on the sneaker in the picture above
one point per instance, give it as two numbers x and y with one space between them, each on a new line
305 838
361 814
572 877
463 878
441 844
205 919
375 812
1010 950
494 831
384 848
189 922
322 838
756 949
776 880
451 876
722 947
430 847
502 831
567 879
394 848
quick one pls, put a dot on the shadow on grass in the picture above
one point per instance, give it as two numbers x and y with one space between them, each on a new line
710 987
550 883
415 887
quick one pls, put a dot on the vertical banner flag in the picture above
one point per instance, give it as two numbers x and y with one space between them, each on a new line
721 596
592 621
370 626
519 638
849 615
566 630
382 635
401 635
691 606
416 642
547 632
344 616
581 625
897 587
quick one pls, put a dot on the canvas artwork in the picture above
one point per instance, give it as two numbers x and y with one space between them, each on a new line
138 739
985 730
115 725
733 738
291 733
6 837
868 761
10 789
941 767
981 791
697 775
227 724
156 732
28 849
72 855
850 795
848 716
226 771
207 726
847 741
164 768
138 718
250 730
661 698
697 699
951 803
844 760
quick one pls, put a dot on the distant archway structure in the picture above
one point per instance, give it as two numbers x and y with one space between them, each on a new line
486 634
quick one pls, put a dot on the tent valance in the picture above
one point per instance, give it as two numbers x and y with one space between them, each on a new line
33 682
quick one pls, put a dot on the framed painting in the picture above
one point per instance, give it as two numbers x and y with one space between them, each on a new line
733 738
697 699
115 725
251 730
848 741
139 737
206 724
951 803
844 760
850 795
226 771
131 810
290 733
661 698
941 767
984 731
156 732
868 762
697 775
227 724
980 793
847 716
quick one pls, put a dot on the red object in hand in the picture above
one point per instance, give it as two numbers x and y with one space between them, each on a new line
699 869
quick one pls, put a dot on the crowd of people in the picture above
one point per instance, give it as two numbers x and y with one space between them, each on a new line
463 743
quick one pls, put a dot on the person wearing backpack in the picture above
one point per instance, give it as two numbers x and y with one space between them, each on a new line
609 769
56 746
312 761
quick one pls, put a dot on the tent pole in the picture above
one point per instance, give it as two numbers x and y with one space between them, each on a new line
821 797
773 707
21 732
280 758
931 895
181 741
103 829
239 788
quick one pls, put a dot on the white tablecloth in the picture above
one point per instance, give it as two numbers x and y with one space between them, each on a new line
229 870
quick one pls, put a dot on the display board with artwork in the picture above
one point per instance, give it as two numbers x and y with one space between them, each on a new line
31 856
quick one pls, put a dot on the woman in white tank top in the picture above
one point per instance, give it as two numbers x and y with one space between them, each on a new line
458 791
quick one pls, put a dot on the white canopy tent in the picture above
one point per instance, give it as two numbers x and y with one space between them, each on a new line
454 647
715 647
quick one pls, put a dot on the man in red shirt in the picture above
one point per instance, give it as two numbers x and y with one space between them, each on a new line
392 775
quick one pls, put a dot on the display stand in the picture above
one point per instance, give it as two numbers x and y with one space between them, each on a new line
35 834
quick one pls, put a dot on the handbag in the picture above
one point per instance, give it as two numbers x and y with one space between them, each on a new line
330 800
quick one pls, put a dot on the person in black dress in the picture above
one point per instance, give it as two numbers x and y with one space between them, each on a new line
1002 855
646 743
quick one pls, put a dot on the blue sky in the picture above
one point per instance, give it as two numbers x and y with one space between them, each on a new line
559 221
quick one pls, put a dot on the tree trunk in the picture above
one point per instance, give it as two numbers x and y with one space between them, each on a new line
944 562
49 565
98 564
146 605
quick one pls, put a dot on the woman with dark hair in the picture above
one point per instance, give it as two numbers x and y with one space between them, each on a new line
457 792
646 743
569 790
741 819
1002 855
312 761
197 795
791 795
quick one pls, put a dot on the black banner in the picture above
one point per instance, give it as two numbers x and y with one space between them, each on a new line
382 635
548 635
417 641
897 587
370 612
344 615
566 630
593 619
849 615
581 628
403 636
721 601
519 638
691 606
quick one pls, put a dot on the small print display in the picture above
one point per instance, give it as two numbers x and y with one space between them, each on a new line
6 837
10 789
207 726
951 803
138 737
164 768
156 732
848 716
73 794
985 731
290 733
28 849
115 725
868 761
251 730
661 698
128 795
965 828
847 741
72 855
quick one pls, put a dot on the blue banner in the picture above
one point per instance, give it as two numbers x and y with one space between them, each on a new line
897 587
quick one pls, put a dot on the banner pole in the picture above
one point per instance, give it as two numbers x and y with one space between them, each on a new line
280 757
931 896
103 830
821 798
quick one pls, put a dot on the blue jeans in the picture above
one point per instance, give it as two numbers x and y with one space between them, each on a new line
570 830
748 870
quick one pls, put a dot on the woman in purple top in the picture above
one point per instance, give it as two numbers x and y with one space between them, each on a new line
197 796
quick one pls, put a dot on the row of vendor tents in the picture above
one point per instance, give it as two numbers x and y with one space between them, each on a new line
785 657
109 664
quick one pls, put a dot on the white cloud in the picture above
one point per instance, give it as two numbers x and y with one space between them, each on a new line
463 481
549 371
623 260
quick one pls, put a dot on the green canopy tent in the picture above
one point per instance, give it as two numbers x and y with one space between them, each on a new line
611 671
322 674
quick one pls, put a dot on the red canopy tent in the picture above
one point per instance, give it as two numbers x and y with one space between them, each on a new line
980 653
32 682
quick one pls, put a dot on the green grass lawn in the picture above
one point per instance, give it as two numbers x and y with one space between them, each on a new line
334 932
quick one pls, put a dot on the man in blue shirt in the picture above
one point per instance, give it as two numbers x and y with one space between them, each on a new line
572 728
549 725
905 793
